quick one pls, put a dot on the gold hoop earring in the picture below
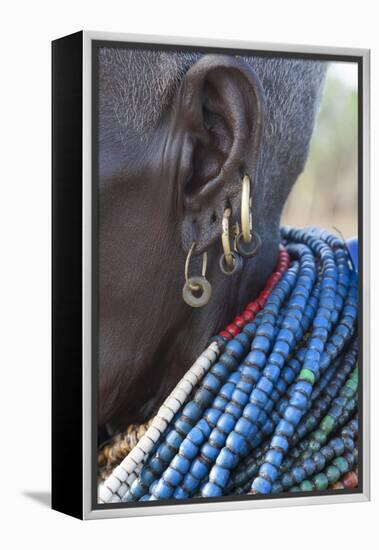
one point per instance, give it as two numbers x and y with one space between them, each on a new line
230 262
248 241
197 290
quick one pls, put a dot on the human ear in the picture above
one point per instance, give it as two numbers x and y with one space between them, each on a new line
219 113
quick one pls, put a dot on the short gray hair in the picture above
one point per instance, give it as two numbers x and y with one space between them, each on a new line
136 87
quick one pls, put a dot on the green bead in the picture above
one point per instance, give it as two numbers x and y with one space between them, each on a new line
342 464
327 424
321 481
306 374
306 485
333 474
353 384
320 436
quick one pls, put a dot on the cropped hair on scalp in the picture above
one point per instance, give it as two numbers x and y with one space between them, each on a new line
136 87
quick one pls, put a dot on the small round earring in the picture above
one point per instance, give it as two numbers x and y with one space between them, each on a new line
230 262
248 241
197 291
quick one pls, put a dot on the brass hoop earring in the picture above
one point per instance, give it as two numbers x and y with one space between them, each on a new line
248 241
197 291
230 262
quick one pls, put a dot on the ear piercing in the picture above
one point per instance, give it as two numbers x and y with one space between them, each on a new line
197 290
230 262
248 241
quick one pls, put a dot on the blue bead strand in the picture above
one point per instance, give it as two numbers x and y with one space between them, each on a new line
249 468
250 369
325 319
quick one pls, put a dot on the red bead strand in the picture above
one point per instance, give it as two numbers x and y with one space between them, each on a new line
251 310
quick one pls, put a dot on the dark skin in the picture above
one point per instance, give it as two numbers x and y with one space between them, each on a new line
155 200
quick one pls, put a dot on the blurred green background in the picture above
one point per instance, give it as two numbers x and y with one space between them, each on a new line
326 193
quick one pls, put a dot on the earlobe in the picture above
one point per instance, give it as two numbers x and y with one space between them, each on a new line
220 108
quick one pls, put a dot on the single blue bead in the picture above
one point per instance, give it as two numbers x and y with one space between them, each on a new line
243 426
262 343
212 415
233 409
226 423
211 490
190 483
196 436
136 490
272 372
267 329
172 476
227 458
251 412
293 415
209 452
319 460
299 400
276 359
236 442
162 490
155 464
211 383
180 493
280 443
259 397
274 457
234 348
268 470
265 384
192 410
256 357
240 397
188 449
261 485
198 469
165 453
309 467
174 439
285 428
219 475
298 474
217 438
180 463
305 387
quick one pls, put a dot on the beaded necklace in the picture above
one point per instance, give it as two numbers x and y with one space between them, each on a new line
270 406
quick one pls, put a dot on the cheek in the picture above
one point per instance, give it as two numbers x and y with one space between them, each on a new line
140 278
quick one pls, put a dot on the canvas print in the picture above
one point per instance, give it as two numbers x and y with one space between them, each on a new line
226 270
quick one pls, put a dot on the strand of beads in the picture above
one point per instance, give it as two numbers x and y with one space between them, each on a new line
334 290
343 406
250 373
332 473
216 431
280 367
315 462
253 371
118 483
248 469
205 393
165 487
220 472
175 471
